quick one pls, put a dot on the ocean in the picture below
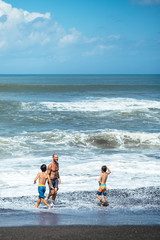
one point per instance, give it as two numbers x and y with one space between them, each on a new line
89 121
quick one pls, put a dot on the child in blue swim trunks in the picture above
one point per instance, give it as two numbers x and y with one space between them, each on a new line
43 177
102 184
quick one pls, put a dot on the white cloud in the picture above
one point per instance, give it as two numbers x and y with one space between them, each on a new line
2 44
32 16
15 16
114 37
71 38
21 29
91 40
146 2
99 50
23 33
139 43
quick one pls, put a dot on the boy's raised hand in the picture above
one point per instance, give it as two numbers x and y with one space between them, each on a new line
109 171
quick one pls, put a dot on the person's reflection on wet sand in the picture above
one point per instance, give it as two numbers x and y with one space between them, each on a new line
47 218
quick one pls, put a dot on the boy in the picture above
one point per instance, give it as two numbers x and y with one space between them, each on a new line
43 176
102 183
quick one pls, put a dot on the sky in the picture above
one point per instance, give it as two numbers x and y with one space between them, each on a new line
80 37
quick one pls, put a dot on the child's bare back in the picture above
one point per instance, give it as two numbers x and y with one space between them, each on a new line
103 178
42 178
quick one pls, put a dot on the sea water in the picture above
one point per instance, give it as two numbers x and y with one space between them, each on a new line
89 121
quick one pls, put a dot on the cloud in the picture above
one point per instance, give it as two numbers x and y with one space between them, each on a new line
15 16
19 28
33 34
99 50
114 37
2 44
91 40
32 16
146 2
139 43
71 38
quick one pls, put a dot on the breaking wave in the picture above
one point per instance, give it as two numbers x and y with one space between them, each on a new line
95 105
109 139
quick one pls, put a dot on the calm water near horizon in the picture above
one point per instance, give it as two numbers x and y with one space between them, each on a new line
89 121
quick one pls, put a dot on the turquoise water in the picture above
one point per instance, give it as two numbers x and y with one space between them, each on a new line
89 121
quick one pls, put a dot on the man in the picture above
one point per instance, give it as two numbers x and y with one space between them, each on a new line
53 172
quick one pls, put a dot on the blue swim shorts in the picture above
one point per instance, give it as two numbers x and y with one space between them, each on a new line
41 190
54 183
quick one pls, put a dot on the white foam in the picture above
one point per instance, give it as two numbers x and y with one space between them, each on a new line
94 105
78 174
128 171
103 104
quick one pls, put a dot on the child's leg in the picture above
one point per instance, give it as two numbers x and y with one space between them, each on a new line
99 198
105 197
39 201
45 202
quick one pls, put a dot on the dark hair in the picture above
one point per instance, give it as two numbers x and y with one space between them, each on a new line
104 168
43 167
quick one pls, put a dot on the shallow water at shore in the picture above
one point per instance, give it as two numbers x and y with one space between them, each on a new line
126 207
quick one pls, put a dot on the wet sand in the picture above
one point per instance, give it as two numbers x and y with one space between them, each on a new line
81 232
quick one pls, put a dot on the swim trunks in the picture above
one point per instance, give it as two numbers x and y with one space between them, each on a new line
102 190
54 183
41 190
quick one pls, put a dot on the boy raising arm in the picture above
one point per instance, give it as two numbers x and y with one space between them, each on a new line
102 184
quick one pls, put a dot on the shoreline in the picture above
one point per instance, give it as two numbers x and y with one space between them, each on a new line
81 232
102 216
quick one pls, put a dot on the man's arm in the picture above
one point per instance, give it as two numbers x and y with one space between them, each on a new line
49 169
109 171
59 180
49 180
36 178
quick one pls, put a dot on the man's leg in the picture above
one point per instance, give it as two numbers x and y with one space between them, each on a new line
55 189
54 194
51 193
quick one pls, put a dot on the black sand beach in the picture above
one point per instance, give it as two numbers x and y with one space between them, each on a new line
81 232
